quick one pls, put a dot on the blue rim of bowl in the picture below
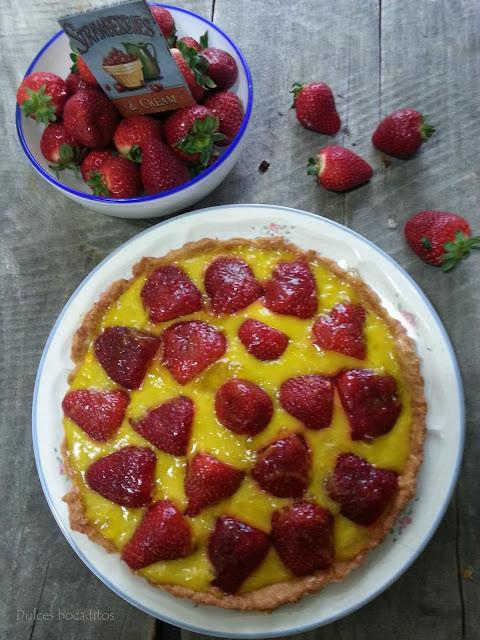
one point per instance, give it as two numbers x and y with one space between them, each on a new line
362 602
209 170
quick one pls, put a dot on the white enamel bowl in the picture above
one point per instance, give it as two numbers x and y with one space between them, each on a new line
54 57
443 446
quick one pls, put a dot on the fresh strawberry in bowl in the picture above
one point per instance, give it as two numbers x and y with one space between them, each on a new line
169 179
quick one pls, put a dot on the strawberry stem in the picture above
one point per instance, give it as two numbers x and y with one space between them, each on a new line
426 129
204 40
458 249
296 88
201 138
70 158
134 154
314 166
97 184
198 64
39 105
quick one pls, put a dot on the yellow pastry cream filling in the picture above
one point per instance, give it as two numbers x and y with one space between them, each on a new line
250 503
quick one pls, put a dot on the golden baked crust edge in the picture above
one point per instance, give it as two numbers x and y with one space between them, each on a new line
272 596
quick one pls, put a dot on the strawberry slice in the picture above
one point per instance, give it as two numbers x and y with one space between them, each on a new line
243 407
125 476
262 341
235 550
208 480
292 290
163 534
169 293
168 426
302 534
363 490
126 354
370 402
341 330
231 285
98 413
190 347
283 467
309 398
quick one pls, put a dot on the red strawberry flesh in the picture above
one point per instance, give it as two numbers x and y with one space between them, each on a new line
315 107
209 480
169 293
163 534
90 118
402 133
261 340
440 237
42 96
196 89
165 21
292 290
341 330
161 168
283 467
339 169
370 401
235 550
243 407
363 490
222 67
190 347
93 161
98 413
126 354
302 534
133 132
231 285
168 426
117 177
309 398
59 147
125 477
227 107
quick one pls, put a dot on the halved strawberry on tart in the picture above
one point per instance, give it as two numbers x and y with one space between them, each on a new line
244 422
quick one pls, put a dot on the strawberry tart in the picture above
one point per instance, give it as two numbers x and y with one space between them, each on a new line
244 422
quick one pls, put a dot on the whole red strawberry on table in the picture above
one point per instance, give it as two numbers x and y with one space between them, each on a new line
123 158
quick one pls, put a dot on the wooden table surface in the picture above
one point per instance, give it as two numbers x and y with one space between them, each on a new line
378 55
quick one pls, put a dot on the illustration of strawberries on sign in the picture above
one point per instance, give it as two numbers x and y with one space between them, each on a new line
192 133
42 96
339 169
402 133
315 107
440 238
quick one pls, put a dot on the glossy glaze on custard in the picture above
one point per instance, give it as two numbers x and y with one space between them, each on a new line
249 503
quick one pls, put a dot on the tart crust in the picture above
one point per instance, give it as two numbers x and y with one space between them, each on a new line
272 596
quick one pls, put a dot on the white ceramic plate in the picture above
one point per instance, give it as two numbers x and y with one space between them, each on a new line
443 447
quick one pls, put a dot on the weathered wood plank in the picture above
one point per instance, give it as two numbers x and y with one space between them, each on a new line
429 58
47 245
